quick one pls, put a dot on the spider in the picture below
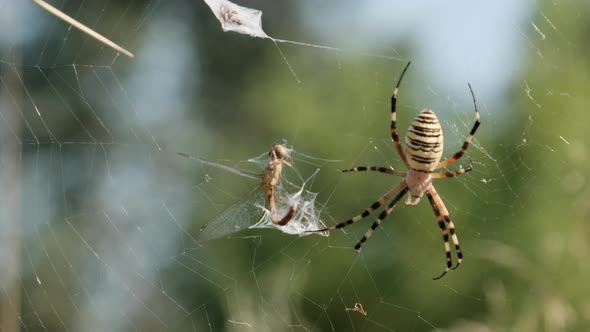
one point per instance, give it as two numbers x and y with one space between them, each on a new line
423 151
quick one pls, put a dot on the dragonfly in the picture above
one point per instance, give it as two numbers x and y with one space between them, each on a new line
269 203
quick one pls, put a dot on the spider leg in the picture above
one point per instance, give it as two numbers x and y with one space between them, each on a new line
453 173
468 139
271 207
382 216
385 170
445 235
368 211
442 215
394 135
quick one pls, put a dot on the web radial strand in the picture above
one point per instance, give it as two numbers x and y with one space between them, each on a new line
256 210
108 219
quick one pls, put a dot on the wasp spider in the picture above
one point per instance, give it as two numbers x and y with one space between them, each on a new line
422 154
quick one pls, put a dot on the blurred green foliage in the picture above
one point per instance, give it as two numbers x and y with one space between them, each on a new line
522 214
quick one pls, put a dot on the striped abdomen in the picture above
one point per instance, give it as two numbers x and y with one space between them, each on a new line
424 142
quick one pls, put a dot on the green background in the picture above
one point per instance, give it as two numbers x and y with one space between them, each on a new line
101 218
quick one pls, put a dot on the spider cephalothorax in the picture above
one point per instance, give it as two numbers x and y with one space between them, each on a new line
423 151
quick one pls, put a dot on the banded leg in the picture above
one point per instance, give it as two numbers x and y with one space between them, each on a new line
453 173
441 213
271 207
382 216
394 135
385 170
445 235
468 139
368 211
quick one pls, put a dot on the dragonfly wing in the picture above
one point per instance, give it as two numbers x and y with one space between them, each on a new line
237 217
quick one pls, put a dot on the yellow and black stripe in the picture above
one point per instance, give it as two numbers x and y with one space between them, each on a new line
468 139
400 189
424 142
379 169
442 216
394 135
382 216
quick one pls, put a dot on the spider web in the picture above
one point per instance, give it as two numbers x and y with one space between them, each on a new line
101 220
286 196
